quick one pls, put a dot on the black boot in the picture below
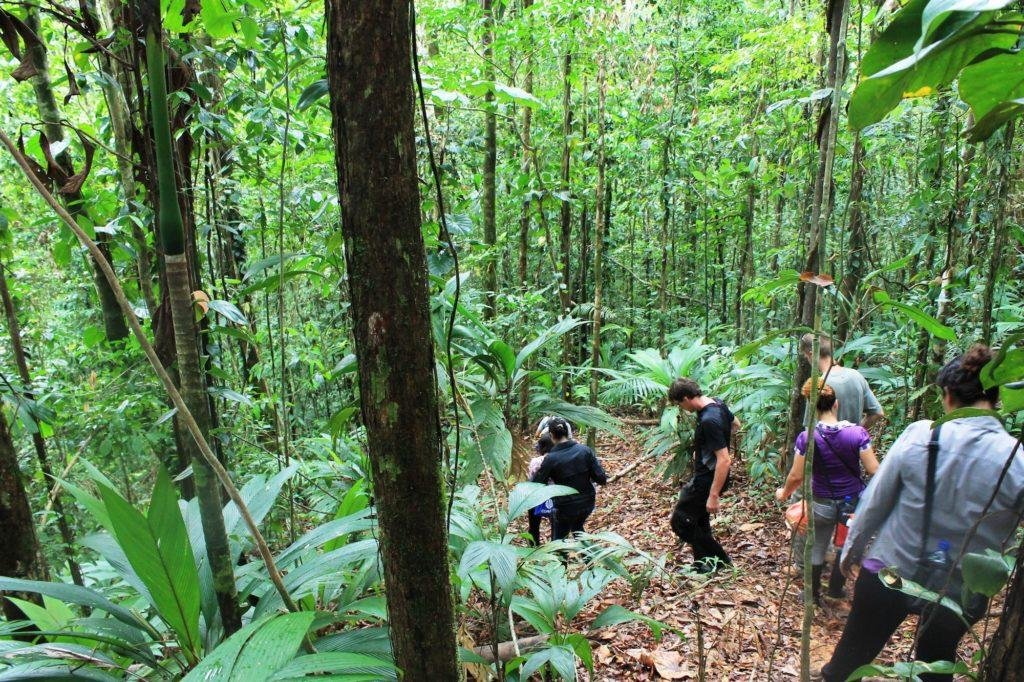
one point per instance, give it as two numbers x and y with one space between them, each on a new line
816 583
836 581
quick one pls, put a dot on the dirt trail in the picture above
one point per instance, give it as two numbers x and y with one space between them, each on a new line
739 610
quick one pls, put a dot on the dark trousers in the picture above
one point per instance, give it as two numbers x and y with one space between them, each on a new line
569 520
535 520
876 613
692 522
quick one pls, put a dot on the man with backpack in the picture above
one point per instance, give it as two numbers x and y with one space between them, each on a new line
701 496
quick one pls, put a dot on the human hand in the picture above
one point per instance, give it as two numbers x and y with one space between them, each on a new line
849 568
780 495
714 504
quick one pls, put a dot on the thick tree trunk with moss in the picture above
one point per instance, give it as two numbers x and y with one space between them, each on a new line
856 249
19 556
14 329
191 378
370 77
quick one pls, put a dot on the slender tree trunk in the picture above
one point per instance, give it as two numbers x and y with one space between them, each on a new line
14 329
666 216
601 216
928 265
113 322
121 130
565 216
524 218
19 559
828 127
179 291
856 248
999 235
490 162
368 69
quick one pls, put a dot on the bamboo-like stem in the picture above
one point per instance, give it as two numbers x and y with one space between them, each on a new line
165 378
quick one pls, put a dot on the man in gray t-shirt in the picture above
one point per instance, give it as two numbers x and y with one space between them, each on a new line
857 404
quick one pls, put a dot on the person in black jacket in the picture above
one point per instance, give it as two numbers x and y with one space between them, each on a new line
575 465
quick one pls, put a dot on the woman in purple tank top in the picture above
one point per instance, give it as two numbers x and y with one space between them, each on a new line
840 449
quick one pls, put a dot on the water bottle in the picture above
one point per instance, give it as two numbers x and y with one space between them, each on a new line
939 560
845 512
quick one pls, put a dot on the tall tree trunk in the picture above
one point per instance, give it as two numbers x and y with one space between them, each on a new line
19 559
565 215
856 248
14 329
999 234
665 197
368 69
928 264
179 291
836 15
121 130
113 322
524 217
601 217
490 162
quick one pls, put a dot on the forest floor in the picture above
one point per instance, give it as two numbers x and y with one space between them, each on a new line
743 630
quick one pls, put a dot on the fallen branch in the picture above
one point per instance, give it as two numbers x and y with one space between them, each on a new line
630 468
640 421
507 650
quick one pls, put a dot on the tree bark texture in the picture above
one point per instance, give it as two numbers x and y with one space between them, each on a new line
565 215
1005 659
856 246
14 329
600 219
191 378
490 163
368 67
113 322
19 556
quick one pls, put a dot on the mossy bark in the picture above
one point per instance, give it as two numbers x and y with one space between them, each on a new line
19 556
368 69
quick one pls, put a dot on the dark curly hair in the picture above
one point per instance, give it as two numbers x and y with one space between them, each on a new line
962 377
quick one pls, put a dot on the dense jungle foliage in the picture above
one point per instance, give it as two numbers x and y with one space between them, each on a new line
609 196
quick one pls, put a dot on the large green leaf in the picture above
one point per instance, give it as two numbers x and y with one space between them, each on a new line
527 495
256 651
561 658
553 332
499 557
992 81
933 326
74 594
158 549
995 119
985 573
347 666
615 615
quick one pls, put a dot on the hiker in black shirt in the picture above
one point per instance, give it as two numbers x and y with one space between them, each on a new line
569 463
691 519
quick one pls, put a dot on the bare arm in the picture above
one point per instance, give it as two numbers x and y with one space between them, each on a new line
871 419
793 480
721 473
736 424
869 460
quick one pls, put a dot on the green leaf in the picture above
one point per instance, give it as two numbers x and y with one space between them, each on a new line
748 349
527 495
560 657
615 615
995 119
499 557
937 11
933 326
73 594
158 549
894 581
553 332
256 651
495 445
517 95
216 19
312 93
985 573
350 665
1006 367
505 353
228 310
992 81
